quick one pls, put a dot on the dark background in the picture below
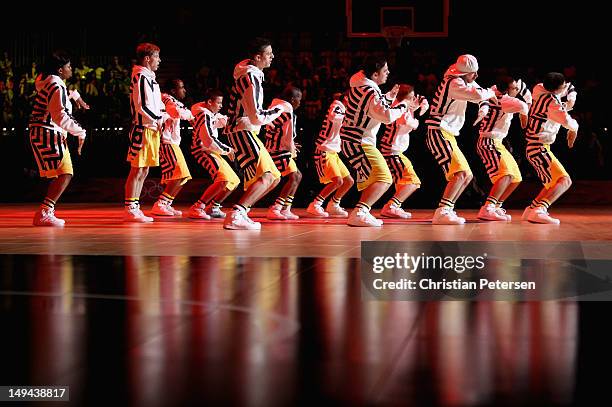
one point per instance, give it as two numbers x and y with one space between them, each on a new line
529 38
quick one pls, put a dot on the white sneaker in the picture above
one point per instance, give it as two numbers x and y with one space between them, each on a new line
336 210
161 208
254 225
316 210
359 217
289 215
145 217
446 216
389 211
134 214
526 213
198 212
490 212
46 217
274 213
502 212
540 215
215 212
175 212
374 219
459 218
239 220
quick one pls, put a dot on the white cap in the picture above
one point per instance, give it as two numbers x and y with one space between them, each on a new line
465 64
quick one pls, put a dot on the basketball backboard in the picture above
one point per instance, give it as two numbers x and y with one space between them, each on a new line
422 18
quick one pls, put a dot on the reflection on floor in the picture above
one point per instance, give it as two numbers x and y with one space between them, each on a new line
176 330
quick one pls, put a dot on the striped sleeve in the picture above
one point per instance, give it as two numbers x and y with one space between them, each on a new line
379 109
144 98
470 92
208 135
514 105
570 96
558 114
289 132
60 113
176 110
252 107
524 94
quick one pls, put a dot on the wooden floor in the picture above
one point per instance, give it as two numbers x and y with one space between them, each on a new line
182 312
95 229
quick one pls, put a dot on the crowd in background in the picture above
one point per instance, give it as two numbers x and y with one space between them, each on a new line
105 87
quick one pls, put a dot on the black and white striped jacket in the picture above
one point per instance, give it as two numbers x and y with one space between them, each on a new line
52 108
245 109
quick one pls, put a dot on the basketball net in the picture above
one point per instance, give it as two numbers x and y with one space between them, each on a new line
394 34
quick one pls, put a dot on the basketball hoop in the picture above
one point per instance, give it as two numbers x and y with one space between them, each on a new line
394 34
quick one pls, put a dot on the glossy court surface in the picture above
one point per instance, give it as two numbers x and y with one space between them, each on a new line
185 313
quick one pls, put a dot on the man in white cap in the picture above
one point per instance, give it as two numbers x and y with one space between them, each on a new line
447 116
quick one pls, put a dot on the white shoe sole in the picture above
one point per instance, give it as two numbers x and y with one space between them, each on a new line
274 217
536 222
384 215
492 219
316 215
447 222
198 217
363 225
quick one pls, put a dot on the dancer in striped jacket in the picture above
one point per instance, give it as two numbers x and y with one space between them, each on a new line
330 168
366 110
447 116
246 116
547 114
280 143
50 122
501 167
148 118
394 142
208 151
173 166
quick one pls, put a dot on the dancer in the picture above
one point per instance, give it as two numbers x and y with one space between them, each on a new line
148 118
394 142
50 123
174 168
208 150
280 143
367 109
330 168
246 116
547 114
446 118
501 167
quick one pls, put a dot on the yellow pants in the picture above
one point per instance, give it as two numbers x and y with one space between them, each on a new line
144 147
329 166
445 150
173 165
497 160
547 166
284 162
252 156
50 152
370 166
402 170
218 168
